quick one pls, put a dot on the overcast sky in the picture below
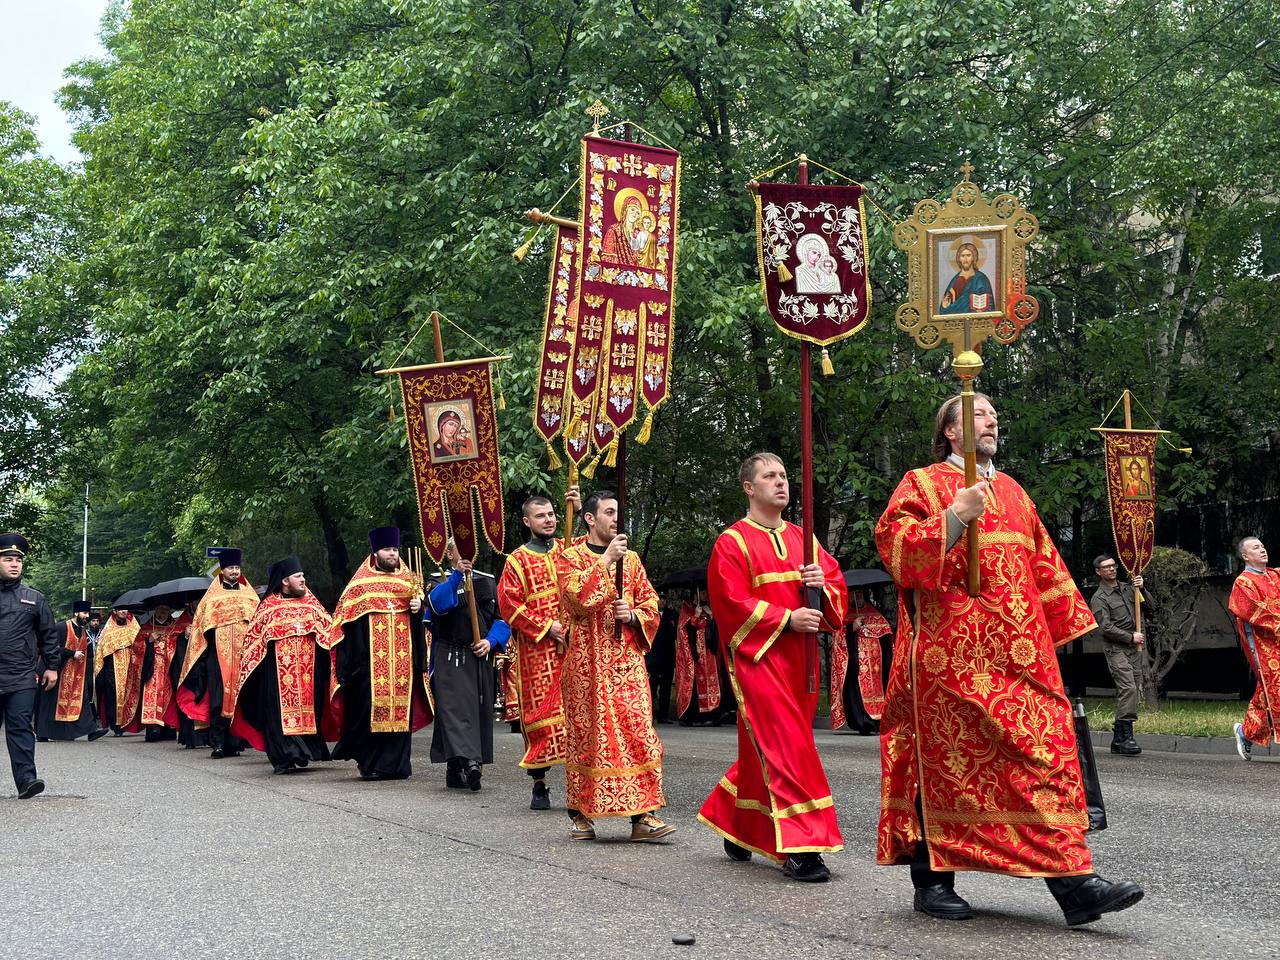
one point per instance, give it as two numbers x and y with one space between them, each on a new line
38 40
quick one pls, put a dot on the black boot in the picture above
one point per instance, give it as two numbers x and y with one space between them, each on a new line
736 853
806 867
1085 899
935 892
1122 741
541 796
453 777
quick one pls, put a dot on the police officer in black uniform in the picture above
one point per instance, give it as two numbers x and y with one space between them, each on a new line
26 634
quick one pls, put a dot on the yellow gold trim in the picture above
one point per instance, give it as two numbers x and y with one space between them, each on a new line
750 624
776 858
764 648
614 771
1063 589
784 576
807 806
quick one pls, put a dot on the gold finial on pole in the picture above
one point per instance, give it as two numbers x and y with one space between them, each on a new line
597 111
967 365
967 169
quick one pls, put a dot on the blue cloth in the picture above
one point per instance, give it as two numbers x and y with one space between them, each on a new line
498 636
444 596
977 284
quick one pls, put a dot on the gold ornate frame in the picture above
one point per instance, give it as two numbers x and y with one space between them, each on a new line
966 211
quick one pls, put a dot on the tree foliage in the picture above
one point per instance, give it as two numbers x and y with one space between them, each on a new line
275 195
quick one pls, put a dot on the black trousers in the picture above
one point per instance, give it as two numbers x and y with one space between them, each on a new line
661 679
17 712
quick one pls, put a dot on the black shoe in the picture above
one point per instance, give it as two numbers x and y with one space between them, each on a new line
806 867
454 780
473 776
735 852
217 754
541 796
97 734
117 731
942 903
1122 741
280 770
300 763
31 788
372 776
1086 899
42 739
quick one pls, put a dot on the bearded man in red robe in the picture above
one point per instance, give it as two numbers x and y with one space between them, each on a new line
978 751
1255 607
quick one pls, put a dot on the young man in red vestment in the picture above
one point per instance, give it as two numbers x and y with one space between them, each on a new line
1255 605
613 765
977 744
529 601
775 800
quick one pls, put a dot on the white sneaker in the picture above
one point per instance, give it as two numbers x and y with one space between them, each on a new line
1243 745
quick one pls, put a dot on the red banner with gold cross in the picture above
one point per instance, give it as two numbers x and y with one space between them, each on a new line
452 425
630 211
1130 457
558 329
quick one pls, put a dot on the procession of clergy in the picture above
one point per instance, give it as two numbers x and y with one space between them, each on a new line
979 761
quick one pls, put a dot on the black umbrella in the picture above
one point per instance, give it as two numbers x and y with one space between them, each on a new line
693 577
866 578
176 593
130 598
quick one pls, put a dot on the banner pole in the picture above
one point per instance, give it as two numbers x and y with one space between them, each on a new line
621 478
1137 594
812 596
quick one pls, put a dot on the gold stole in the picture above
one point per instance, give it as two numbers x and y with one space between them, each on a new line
390 672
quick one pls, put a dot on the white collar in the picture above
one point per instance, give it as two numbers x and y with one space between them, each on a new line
986 471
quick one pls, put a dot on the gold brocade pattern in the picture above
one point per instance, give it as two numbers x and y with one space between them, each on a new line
529 600
976 719
1255 601
158 691
297 625
71 680
613 755
390 672
295 675
222 610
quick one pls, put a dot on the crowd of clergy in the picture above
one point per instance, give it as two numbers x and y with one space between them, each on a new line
980 770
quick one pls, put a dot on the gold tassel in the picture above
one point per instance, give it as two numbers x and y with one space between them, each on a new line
589 471
391 413
553 461
611 453
646 431
784 275
522 251
827 369
502 397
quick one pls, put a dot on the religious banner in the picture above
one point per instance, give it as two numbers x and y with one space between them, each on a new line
630 207
1130 458
452 425
557 340
811 244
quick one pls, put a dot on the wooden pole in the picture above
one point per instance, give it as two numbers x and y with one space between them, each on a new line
621 481
466 577
967 365
537 216
1137 594
568 507
812 596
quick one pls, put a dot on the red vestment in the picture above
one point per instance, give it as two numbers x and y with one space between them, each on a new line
225 613
976 722
864 626
120 643
613 765
775 799
702 672
157 692
297 626
529 601
71 680
1255 604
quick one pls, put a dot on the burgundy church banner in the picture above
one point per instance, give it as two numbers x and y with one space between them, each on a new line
557 340
452 426
630 206
811 242
1130 458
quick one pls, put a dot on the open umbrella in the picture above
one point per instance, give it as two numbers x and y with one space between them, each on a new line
176 593
131 599
866 578
693 577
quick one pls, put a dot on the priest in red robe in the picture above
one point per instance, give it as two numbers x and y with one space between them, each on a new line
529 601
118 668
1255 605
702 687
858 664
775 800
283 708
978 751
160 634
614 757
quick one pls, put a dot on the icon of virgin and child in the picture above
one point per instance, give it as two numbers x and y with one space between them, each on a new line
631 241
970 290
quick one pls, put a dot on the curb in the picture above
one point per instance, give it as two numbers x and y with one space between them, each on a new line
1167 743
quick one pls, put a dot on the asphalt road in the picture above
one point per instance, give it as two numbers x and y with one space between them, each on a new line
146 850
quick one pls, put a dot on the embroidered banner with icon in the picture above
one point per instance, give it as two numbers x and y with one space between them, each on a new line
630 207
1130 457
811 243
557 339
452 426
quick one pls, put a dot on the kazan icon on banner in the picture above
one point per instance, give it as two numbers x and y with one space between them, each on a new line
453 428
630 240
816 271
972 260
1136 473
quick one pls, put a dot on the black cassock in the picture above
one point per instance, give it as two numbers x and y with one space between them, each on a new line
47 724
382 756
188 735
462 683
259 704
205 676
